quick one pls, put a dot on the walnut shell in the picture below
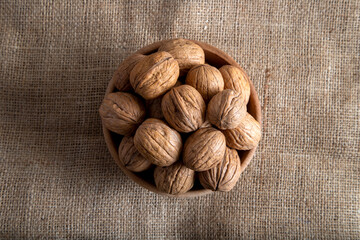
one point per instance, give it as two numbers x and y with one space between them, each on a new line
130 157
183 108
236 79
206 79
223 177
187 53
157 142
121 78
204 149
245 136
153 108
122 112
226 109
153 75
174 179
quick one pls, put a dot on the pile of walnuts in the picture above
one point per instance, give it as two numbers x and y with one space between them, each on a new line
184 116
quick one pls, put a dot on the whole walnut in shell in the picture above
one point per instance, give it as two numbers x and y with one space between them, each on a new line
183 108
206 79
130 157
223 177
226 109
245 136
236 79
153 106
157 142
174 179
121 76
153 75
122 112
187 53
204 149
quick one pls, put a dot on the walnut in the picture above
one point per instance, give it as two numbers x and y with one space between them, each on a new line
187 53
226 109
245 136
236 79
157 142
204 149
174 179
183 108
121 76
154 75
206 79
153 108
122 112
130 157
223 177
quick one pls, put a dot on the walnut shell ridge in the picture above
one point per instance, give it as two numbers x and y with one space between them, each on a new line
187 53
226 109
236 79
183 108
121 76
157 142
245 136
122 112
206 79
130 157
174 179
204 149
223 177
153 75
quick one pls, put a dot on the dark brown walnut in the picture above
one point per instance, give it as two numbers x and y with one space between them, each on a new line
236 79
122 112
223 177
226 109
183 108
121 78
187 53
245 136
157 142
206 79
153 108
204 149
153 75
130 157
175 179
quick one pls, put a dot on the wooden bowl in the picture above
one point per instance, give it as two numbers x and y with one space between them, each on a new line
214 57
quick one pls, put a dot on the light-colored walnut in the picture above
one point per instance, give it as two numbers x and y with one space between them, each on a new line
183 108
206 79
153 75
245 136
204 149
187 53
130 157
223 177
121 78
175 179
236 79
122 112
226 109
157 142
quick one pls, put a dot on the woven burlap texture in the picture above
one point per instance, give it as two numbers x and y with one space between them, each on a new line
58 180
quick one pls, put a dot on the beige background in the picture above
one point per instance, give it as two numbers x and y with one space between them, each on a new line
57 179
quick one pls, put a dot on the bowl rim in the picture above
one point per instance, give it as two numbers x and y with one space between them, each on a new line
255 112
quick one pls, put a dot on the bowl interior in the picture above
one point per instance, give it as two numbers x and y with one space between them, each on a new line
214 57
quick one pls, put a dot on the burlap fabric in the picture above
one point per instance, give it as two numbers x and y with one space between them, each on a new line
57 179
